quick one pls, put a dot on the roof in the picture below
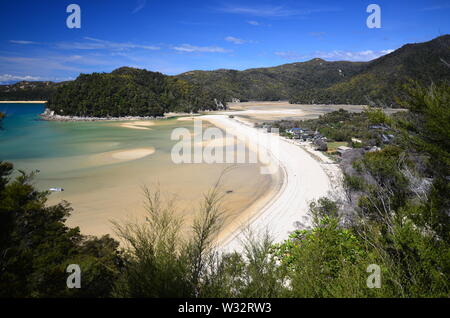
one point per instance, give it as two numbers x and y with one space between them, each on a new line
343 148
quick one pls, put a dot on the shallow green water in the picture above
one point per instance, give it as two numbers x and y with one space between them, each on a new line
25 136
67 156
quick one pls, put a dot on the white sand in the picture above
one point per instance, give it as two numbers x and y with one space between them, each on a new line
272 112
119 156
190 118
144 125
304 180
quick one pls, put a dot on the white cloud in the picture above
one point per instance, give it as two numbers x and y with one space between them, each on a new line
366 55
22 42
7 78
50 63
263 11
362 56
203 49
140 5
234 40
272 11
255 23
97 44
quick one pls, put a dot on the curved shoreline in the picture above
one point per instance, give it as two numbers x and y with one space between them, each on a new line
303 180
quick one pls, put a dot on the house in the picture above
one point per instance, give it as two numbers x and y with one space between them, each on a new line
356 141
342 149
295 132
307 135
303 134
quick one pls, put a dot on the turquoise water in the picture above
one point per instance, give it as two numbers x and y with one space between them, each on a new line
25 136
77 156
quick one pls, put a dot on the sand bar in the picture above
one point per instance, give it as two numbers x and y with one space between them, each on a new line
142 125
119 156
303 180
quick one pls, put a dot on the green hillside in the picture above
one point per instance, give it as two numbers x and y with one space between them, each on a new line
273 83
128 92
27 90
380 83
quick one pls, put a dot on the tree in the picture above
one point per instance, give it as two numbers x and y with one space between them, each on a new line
2 116
36 246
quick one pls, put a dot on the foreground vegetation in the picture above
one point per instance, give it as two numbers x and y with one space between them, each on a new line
396 216
2 116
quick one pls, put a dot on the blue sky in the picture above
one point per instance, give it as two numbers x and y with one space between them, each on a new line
176 36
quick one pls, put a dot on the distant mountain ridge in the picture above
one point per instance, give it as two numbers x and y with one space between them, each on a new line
274 83
381 81
377 82
28 90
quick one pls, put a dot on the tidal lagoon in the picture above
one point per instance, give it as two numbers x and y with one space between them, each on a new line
103 167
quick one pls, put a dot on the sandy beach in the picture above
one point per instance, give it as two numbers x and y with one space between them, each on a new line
304 179
280 110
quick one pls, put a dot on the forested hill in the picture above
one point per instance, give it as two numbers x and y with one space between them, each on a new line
128 92
274 83
380 83
28 90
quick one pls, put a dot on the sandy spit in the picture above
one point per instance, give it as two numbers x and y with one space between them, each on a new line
120 156
303 180
143 125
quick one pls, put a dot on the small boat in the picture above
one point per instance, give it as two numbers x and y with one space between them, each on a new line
56 189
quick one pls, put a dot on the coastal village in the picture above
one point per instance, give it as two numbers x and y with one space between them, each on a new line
336 149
